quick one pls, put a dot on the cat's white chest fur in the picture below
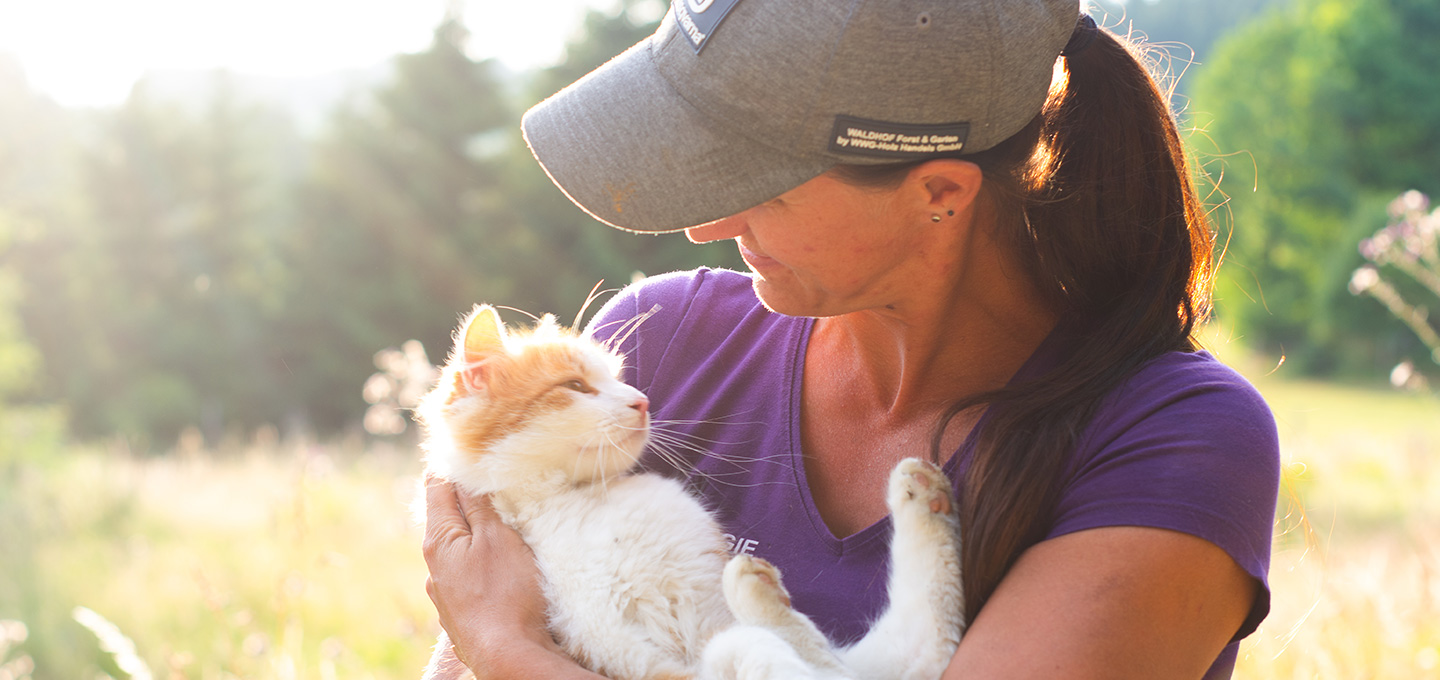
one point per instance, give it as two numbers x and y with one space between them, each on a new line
632 569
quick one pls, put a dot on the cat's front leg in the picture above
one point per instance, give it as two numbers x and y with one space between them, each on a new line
921 627
746 652
758 598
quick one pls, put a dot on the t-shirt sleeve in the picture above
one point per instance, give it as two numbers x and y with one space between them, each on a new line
1187 445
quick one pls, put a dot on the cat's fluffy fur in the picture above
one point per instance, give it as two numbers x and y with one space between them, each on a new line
634 569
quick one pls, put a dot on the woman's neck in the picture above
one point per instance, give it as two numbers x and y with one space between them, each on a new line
942 341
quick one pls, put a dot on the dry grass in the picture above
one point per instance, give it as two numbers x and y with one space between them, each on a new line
287 562
1356 571
301 561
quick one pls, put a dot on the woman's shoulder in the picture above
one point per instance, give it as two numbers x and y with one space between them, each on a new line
1188 444
710 286
667 299
1185 444
1185 406
1190 390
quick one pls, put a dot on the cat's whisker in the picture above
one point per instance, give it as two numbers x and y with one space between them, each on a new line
517 309
727 420
681 444
612 343
684 443
596 331
688 466
697 444
630 326
690 436
598 465
612 448
594 295
635 323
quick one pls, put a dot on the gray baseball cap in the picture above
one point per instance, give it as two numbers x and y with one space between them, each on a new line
733 102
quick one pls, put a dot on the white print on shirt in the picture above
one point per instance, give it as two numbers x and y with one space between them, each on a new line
741 546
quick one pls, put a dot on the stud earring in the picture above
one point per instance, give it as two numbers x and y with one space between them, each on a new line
934 218
950 213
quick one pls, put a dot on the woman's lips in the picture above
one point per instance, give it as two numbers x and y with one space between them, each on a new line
755 260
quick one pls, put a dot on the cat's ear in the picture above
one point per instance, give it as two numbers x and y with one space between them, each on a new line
484 335
482 339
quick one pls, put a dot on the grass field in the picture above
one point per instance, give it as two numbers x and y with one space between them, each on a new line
272 562
300 560
1356 570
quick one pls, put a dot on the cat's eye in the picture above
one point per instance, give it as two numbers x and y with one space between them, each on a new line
578 386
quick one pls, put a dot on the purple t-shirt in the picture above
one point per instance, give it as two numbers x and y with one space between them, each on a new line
1186 444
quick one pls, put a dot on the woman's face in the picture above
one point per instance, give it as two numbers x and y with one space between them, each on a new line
827 248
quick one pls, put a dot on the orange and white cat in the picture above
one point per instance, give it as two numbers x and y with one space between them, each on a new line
634 569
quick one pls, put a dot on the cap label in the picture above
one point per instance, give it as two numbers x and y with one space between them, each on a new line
896 140
698 18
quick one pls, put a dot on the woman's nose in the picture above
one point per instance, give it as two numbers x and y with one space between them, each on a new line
719 230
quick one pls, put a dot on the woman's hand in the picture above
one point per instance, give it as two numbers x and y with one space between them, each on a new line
486 588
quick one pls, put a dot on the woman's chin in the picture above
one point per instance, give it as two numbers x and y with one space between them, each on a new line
787 300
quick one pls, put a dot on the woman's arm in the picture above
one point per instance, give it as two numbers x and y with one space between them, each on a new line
1112 603
486 588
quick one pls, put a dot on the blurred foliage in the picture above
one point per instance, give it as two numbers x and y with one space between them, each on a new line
403 223
166 265
1403 273
1316 115
171 266
1186 30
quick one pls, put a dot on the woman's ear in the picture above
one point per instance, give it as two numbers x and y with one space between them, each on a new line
946 185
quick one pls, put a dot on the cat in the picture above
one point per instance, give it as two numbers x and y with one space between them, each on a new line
634 569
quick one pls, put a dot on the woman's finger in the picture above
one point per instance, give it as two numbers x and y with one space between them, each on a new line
445 522
478 511
440 499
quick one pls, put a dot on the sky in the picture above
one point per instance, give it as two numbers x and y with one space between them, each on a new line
90 52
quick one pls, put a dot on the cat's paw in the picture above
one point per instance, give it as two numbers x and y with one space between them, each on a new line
760 603
754 591
919 486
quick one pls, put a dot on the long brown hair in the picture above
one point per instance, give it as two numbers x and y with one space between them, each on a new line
1096 199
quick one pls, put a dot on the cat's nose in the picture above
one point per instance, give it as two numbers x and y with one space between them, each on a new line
642 404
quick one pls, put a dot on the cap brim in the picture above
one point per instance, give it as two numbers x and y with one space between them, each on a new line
627 148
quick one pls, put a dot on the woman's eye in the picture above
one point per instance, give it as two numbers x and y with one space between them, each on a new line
577 385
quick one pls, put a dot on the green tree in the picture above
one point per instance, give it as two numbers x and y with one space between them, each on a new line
34 146
1319 112
404 223
19 361
424 201
150 300
1180 26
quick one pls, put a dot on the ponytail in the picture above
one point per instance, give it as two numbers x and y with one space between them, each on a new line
1096 197
1096 200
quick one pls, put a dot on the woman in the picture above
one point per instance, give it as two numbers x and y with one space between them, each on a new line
959 245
